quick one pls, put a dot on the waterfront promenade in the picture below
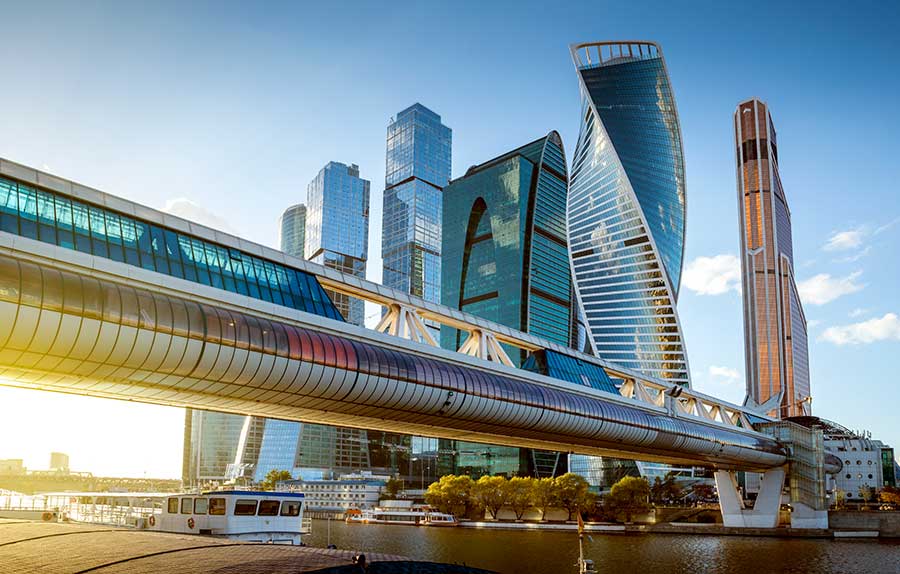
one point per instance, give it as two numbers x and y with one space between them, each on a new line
27 547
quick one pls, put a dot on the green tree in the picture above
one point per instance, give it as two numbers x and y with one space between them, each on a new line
451 494
275 476
544 495
518 494
392 488
573 493
628 497
490 492
665 490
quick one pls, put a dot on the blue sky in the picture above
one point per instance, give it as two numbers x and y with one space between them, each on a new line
226 111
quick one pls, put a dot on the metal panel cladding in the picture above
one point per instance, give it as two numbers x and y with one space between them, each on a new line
626 208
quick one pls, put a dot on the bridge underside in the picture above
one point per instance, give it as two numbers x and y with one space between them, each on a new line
82 330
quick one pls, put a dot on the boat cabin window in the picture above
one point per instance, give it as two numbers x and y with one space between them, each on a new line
187 505
290 508
268 508
201 505
244 507
217 506
173 506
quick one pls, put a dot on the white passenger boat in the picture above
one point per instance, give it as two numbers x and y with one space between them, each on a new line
409 517
250 516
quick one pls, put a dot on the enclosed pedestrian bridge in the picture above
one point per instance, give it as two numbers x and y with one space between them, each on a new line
100 296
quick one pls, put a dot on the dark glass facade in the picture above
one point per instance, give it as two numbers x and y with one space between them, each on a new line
626 209
59 220
505 259
504 244
775 336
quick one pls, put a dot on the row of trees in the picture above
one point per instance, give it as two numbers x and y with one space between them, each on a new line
461 495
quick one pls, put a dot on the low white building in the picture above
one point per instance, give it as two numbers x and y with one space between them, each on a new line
352 491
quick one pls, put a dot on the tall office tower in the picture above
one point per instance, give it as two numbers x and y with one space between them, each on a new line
417 169
626 208
293 230
312 452
775 338
505 259
213 446
337 228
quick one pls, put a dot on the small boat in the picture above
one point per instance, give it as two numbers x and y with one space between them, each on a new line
388 516
405 516
440 519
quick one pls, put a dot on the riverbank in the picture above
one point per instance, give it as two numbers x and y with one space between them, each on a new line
555 551
845 525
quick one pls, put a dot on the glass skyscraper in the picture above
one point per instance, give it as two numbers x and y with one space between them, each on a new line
626 208
775 337
293 230
218 445
505 259
337 228
417 169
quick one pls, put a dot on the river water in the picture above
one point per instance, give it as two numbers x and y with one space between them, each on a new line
515 552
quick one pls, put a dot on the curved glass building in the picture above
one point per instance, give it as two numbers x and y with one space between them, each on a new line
504 244
626 208
293 230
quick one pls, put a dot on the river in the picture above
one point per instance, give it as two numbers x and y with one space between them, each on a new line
524 552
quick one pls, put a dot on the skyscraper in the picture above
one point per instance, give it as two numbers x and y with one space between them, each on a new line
504 244
417 169
505 259
775 337
216 443
337 228
293 230
626 208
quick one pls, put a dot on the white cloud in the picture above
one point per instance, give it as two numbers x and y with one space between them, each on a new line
823 288
187 209
881 329
858 312
723 375
813 323
845 240
713 275
855 256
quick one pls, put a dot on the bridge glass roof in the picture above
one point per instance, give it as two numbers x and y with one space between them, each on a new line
54 218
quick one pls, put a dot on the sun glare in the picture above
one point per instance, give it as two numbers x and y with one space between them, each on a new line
102 436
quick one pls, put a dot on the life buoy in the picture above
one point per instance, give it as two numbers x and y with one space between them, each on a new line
152 520
191 523
47 516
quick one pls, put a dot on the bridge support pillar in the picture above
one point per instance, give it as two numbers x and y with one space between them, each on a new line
803 516
764 513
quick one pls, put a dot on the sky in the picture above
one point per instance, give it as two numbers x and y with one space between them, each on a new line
224 112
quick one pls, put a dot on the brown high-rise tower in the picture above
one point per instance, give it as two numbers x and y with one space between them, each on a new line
775 338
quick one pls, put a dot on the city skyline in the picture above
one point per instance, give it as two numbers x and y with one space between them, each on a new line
846 325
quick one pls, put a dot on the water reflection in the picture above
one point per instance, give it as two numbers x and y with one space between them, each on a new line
514 552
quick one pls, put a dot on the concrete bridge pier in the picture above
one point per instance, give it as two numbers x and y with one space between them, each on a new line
764 513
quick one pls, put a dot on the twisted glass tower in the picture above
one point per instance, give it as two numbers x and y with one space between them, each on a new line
626 208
